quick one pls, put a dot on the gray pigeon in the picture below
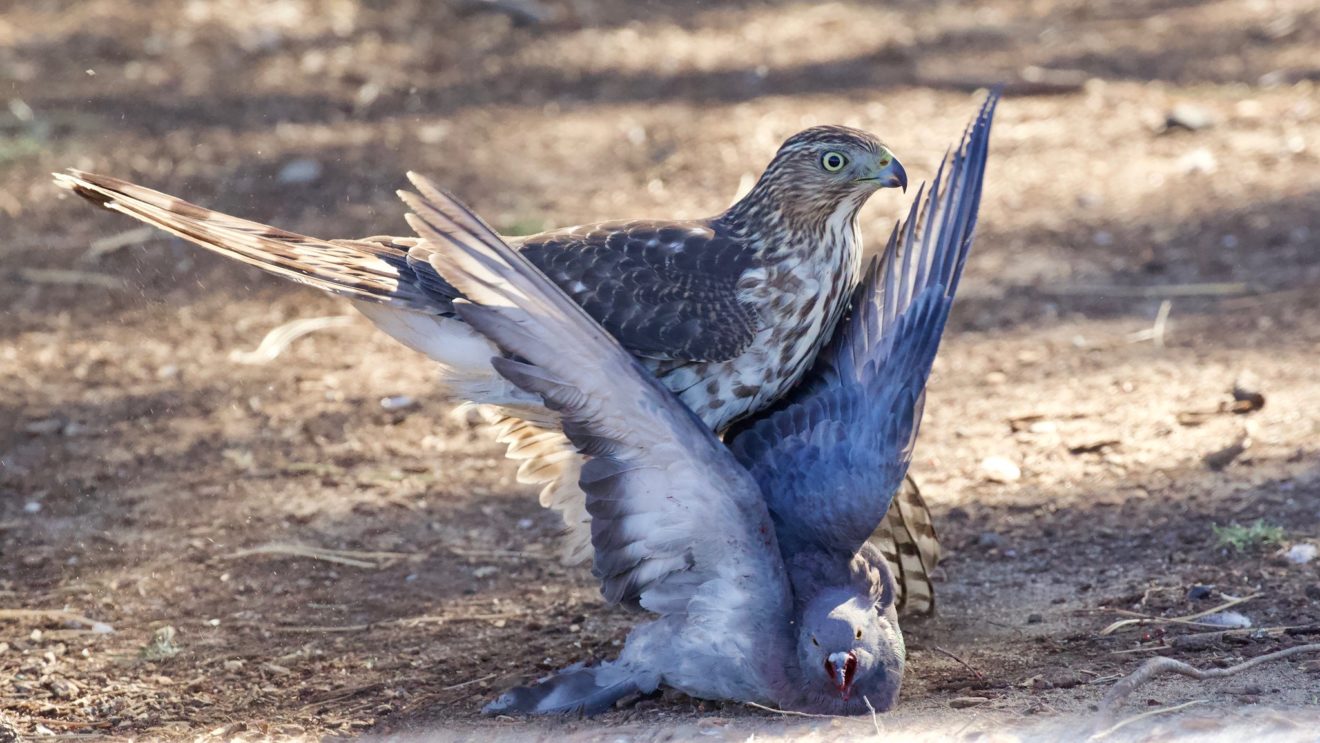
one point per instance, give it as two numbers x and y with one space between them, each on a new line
754 557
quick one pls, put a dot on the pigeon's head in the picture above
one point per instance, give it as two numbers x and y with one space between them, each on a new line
822 172
851 651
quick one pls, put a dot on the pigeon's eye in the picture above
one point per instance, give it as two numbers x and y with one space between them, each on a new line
859 634
833 161
813 641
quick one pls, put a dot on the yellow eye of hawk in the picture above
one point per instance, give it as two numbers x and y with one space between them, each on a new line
833 161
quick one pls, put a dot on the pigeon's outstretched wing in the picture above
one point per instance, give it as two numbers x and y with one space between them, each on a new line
830 459
678 525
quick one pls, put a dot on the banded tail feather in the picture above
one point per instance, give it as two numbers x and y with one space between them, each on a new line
546 458
376 269
910 545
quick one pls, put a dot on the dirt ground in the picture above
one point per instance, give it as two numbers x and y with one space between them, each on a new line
143 466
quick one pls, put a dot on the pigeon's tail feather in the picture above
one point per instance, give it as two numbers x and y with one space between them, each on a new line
374 270
548 459
908 541
576 690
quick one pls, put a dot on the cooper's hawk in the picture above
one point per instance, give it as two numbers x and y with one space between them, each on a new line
728 312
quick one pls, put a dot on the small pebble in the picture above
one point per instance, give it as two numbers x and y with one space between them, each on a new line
1035 619
1246 389
44 427
1000 469
1227 620
397 402
1200 160
989 540
1199 592
965 702
301 171
1188 117
1300 554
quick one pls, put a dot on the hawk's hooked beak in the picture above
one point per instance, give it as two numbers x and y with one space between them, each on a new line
888 172
892 175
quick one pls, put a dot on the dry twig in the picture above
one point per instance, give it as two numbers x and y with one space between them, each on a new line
470 682
100 628
875 720
1144 715
280 338
66 277
111 243
793 713
1144 619
979 676
1155 332
1229 289
1158 666
351 558
316 630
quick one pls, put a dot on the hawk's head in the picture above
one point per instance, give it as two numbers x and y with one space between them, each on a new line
819 170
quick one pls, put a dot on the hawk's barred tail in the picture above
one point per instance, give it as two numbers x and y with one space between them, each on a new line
908 541
371 270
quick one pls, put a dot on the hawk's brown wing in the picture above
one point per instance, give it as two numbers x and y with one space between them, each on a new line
664 290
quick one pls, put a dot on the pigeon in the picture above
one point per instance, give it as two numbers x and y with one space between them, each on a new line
728 312
754 554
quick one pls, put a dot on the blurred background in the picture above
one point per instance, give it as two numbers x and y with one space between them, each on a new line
1130 372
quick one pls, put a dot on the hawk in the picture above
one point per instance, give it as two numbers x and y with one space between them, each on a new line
728 312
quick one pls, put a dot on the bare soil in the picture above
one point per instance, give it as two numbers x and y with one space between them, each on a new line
139 460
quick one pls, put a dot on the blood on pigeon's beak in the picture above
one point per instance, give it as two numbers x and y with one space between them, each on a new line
842 667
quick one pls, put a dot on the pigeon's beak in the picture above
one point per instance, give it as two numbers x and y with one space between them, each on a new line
842 667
